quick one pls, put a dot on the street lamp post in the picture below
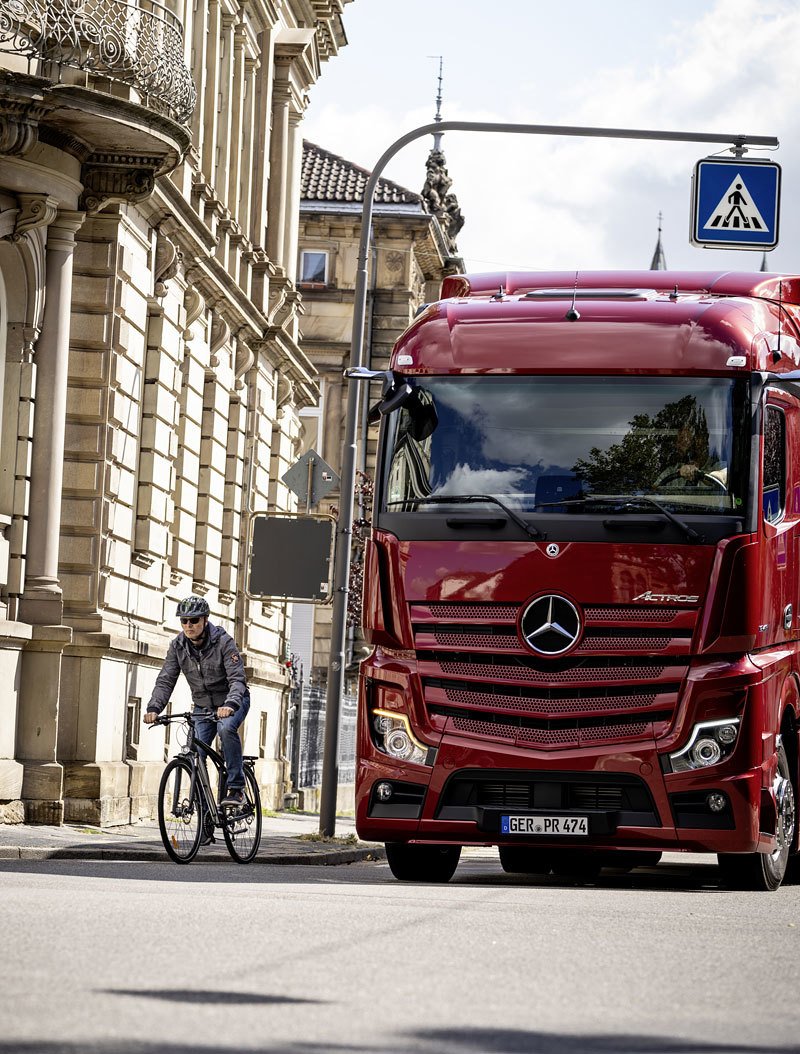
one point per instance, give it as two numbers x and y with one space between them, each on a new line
330 760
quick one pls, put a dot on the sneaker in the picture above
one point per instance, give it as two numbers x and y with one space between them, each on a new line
233 797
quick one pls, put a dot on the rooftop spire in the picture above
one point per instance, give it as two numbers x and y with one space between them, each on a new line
659 261
437 136
439 199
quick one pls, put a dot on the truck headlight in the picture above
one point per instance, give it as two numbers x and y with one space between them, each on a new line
709 743
391 733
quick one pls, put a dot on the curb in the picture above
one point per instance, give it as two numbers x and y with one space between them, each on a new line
325 858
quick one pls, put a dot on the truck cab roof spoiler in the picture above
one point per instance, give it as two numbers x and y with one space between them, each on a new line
777 287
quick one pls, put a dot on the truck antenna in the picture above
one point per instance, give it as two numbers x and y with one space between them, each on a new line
776 354
573 315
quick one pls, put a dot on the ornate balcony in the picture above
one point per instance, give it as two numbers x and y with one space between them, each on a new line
139 45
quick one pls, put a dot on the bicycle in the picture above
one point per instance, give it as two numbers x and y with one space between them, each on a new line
188 813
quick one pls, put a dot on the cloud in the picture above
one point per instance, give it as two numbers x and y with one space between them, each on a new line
546 202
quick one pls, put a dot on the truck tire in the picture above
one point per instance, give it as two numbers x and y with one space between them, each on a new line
523 860
765 871
422 863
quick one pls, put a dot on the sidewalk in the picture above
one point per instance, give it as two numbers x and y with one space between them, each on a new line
284 840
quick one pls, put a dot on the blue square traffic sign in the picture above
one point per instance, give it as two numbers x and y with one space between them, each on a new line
735 203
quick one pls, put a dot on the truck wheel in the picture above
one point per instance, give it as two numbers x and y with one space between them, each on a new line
765 871
522 860
583 865
422 863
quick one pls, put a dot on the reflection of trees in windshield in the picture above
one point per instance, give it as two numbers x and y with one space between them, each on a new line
675 438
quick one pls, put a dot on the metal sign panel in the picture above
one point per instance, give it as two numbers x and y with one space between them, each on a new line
735 203
310 478
291 558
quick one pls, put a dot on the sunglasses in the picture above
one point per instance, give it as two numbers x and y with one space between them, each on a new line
189 621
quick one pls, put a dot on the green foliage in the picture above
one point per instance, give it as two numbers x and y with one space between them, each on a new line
675 436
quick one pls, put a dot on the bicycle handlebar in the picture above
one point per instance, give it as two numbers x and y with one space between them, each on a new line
194 715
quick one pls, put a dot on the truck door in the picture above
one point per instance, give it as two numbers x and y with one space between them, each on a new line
780 511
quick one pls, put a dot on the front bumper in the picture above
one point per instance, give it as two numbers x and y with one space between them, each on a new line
630 803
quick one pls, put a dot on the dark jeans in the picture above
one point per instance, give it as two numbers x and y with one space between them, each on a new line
227 728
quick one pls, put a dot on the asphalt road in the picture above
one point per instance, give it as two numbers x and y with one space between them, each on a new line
138 958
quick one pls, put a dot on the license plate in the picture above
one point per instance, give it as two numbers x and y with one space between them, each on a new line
539 825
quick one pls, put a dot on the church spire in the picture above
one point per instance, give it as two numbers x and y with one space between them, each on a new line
659 261
438 198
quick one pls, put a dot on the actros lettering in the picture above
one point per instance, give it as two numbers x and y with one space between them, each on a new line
666 598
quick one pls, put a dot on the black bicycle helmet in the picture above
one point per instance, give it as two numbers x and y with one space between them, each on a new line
193 607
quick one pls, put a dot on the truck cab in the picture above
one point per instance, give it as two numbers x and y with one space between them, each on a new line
581 585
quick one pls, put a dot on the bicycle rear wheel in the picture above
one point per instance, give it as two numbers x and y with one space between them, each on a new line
180 812
242 824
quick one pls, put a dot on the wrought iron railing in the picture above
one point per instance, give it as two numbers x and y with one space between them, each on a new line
139 44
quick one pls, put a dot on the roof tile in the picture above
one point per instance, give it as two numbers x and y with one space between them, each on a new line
328 177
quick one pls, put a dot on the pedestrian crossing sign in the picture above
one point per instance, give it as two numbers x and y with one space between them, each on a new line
735 203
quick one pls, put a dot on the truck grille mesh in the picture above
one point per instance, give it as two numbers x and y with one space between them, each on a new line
622 681
545 705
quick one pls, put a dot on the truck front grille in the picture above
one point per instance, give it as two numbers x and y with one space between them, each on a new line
622 682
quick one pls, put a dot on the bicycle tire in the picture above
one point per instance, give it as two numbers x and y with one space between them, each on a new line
181 820
242 827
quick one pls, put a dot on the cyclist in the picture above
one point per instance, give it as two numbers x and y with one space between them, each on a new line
211 663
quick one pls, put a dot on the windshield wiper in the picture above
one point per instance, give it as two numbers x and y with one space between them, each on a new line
471 499
630 501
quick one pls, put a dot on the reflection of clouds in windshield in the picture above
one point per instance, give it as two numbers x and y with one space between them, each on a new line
538 426
466 480
552 424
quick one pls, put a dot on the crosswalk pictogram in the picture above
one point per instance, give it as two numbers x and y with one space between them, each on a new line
736 210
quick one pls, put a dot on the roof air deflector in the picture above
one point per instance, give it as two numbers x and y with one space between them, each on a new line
589 294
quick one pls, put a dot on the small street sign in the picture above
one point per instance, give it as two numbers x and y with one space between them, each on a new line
291 558
735 203
310 478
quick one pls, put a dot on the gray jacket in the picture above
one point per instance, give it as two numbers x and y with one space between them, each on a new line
215 672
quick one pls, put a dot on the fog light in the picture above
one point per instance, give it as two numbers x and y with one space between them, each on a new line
716 802
383 791
706 751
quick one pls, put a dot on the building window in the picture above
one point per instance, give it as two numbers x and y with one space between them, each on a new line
133 721
774 494
262 736
313 268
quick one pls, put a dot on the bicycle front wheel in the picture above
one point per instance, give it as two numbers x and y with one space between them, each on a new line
180 812
242 824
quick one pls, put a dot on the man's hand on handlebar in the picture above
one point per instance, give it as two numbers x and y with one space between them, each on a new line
224 711
150 717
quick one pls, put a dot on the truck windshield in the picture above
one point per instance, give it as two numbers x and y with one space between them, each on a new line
540 444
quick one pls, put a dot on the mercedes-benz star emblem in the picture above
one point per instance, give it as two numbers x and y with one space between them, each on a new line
551 624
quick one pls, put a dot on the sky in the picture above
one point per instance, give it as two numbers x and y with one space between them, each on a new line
547 202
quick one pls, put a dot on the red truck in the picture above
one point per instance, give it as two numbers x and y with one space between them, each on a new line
581 586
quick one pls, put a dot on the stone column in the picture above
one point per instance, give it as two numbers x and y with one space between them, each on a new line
293 177
41 602
278 165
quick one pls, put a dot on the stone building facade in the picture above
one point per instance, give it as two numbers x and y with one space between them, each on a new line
413 247
150 370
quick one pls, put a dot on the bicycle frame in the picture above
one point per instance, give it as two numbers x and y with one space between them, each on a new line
192 752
